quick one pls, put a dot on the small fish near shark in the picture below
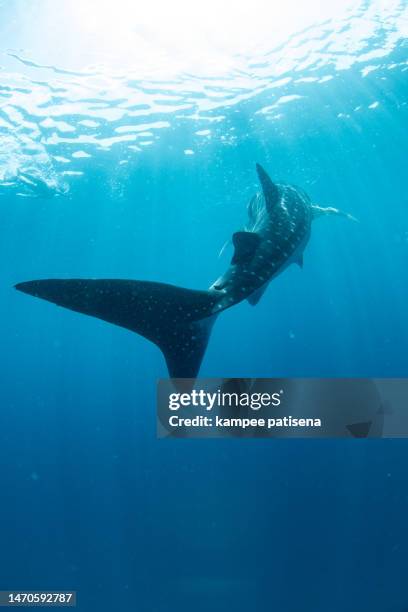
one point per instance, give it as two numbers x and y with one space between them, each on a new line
179 321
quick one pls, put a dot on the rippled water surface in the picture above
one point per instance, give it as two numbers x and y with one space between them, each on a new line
57 118
129 135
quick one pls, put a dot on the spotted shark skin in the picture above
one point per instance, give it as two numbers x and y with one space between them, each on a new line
282 221
178 320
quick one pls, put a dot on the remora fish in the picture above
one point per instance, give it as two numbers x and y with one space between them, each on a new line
178 320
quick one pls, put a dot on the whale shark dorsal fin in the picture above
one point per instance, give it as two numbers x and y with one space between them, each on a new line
245 244
269 189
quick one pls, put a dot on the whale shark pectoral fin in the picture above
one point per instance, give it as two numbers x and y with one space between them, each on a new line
245 244
167 315
269 189
254 298
320 211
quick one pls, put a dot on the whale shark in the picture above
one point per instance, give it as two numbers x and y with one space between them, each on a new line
179 320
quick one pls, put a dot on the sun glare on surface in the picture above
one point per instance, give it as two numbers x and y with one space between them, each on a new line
194 32
164 39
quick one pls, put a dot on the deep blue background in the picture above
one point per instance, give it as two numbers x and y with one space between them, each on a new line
90 500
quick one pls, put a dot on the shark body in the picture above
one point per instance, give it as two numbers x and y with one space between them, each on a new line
277 232
179 320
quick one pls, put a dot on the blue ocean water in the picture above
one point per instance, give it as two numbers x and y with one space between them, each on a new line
143 169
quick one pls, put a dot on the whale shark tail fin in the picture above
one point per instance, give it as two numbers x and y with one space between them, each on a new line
320 211
177 320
